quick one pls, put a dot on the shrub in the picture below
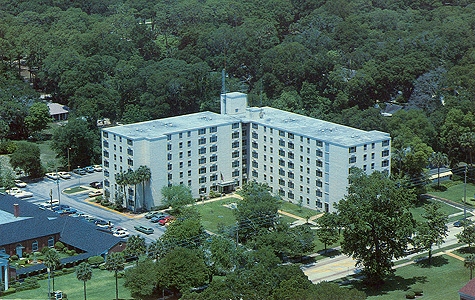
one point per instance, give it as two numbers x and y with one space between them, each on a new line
9 291
95 260
71 252
44 250
14 257
106 203
417 291
22 262
60 246
410 295
120 274
7 147
97 200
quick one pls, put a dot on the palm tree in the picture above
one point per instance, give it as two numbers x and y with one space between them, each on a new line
469 263
84 273
438 160
144 175
115 262
51 261
136 246
132 178
120 180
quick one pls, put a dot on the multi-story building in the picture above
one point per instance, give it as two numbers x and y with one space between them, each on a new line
302 159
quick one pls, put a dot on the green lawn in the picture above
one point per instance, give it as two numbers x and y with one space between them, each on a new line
441 281
294 209
456 192
418 211
100 287
73 190
215 213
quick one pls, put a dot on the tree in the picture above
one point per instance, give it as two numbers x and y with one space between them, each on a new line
177 196
135 246
438 160
51 261
84 273
257 211
115 262
467 236
220 255
327 231
185 231
182 269
377 222
95 260
469 263
142 280
27 157
38 117
433 229
144 174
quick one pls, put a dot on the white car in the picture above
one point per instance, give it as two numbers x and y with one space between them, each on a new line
95 193
121 234
20 183
13 191
97 168
64 175
19 193
52 176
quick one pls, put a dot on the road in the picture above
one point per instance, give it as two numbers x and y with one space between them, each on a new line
42 188
333 268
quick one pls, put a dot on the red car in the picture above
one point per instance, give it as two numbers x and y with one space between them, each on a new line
166 220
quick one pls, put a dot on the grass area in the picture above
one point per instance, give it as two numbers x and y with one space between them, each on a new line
73 190
294 209
442 280
213 214
456 192
418 211
100 287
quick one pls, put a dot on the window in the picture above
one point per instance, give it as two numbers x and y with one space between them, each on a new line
213 168
365 157
189 173
282 143
170 166
169 137
385 153
319 143
281 162
364 168
189 153
235 145
235 125
385 143
255 126
106 153
281 192
281 172
169 147
188 143
105 134
213 129
235 164
319 163
213 158
319 173
129 142
188 133
130 162
290 145
365 147
254 154
106 144
235 135
290 184
319 153
180 135
130 152
255 174
255 135
202 150
290 155
290 165
213 177
202 160
181 164
372 145
235 173
202 141
169 156
255 145
170 176
213 139
372 155
319 183
281 182
255 164
290 175
235 154
202 170
352 159
202 180
385 163
281 133
120 158
352 150
281 152
319 193
180 145
34 246
372 166
106 163
51 242
202 131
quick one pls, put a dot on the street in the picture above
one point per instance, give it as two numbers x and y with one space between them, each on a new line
42 189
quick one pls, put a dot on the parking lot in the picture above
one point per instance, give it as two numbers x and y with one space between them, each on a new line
46 188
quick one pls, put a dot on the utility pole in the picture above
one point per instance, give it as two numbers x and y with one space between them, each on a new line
465 195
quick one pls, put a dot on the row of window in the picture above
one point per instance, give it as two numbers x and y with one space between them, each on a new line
106 135
352 159
289 135
213 177
384 143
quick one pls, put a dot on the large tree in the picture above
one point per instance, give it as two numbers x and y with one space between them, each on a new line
144 174
84 273
135 246
327 231
51 261
142 280
377 222
467 236
27 157
177 196
38 118
433 230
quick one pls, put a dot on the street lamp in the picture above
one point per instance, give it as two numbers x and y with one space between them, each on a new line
69 165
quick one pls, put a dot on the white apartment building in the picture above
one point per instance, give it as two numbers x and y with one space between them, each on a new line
302 159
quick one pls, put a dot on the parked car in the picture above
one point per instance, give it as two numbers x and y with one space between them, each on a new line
102 223
64 175
20 183
146 230
165 220
121 234
152 214
52 175
96 184
97 168
21 194
157 218
49 204
89 169
60 207
79 171
461 222
95 193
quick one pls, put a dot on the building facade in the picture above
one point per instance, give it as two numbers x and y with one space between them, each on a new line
304 160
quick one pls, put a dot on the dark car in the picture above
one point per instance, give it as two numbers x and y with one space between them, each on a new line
461 223
157 218
68 211
96 184
146 230
79 171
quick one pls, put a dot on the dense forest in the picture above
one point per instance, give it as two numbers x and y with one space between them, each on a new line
339 60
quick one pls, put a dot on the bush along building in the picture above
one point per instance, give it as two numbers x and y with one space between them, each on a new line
302 159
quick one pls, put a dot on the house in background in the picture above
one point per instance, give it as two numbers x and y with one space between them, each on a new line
467 292
58 111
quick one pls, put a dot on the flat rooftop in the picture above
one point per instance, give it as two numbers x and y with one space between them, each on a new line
265 116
